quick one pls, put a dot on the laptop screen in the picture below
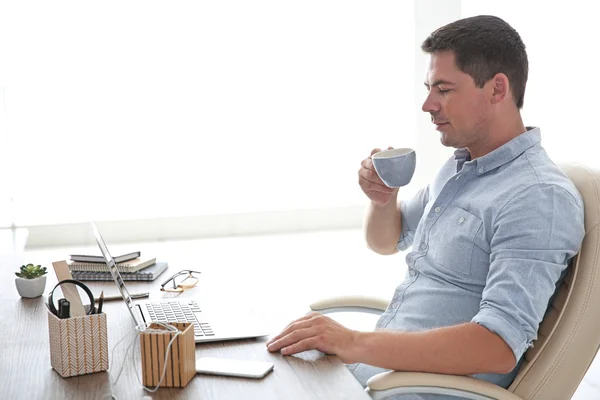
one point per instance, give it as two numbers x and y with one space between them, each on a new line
112 267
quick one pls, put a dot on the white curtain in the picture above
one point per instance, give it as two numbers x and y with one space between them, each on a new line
136 109
125 110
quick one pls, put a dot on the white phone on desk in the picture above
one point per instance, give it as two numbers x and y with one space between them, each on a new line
229 367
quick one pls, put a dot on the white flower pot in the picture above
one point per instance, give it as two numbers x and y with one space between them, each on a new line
30 288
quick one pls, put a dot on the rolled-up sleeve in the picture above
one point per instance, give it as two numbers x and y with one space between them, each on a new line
534 236
412 211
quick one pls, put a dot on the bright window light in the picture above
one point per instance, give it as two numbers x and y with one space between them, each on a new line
121 110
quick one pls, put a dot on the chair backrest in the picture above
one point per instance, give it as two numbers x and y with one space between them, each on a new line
569 336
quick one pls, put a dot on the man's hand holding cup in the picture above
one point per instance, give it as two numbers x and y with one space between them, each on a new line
383 172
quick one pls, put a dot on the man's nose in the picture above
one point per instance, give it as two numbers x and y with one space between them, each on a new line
430 105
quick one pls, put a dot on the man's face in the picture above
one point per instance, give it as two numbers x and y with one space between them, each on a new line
458 108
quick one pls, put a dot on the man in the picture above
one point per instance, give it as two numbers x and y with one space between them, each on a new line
491 235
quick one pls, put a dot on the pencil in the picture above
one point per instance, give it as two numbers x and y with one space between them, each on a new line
119 297
100 302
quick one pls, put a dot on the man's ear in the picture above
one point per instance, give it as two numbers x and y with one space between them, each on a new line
500 88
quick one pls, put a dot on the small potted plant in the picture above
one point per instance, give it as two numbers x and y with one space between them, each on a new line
31 280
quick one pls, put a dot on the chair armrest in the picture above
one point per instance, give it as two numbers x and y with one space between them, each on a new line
363 304
391 383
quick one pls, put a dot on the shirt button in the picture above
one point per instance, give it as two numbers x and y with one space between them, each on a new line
480 170
423 246
412 272
461 220
437 209
394 306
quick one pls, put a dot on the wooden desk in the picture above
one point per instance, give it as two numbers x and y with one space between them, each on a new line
25 371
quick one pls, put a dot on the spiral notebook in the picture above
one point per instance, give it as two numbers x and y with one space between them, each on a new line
127 266
147 274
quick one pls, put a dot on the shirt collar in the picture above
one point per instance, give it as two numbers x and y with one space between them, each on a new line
503 154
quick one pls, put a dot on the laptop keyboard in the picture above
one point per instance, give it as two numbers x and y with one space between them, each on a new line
175 311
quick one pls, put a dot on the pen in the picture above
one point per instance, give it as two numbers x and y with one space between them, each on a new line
119 297
100 302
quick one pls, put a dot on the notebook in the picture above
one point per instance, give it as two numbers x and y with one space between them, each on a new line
127 267
99 259
147 274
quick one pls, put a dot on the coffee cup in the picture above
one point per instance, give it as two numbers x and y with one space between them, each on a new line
395 167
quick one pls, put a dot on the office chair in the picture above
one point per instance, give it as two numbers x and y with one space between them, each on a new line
568 337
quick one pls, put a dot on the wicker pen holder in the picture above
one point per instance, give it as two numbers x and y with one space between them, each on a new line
78 345
181 362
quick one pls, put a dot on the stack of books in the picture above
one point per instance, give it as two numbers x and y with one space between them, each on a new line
131 266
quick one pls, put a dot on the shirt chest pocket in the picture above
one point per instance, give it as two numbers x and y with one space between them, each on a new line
452 238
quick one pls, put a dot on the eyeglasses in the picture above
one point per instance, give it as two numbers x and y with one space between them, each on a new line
182 280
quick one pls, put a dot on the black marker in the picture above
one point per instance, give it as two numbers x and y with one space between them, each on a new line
64 308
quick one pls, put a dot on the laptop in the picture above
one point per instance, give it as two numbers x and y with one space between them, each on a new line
208 326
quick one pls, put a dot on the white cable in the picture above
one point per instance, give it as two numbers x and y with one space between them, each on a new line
162 377
146 329
124 358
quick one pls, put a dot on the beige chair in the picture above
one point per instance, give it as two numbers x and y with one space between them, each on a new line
568 338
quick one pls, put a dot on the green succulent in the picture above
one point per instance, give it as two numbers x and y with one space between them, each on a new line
31 271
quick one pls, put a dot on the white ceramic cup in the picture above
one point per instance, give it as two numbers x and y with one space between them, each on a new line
395 167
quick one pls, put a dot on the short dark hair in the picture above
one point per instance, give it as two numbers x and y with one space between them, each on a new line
484 46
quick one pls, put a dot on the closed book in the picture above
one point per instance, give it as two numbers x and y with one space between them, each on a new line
100 259
128 266
147 274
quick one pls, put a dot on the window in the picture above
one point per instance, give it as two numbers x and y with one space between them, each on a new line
5 169
119 110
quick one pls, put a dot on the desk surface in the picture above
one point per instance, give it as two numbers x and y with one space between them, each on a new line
25 356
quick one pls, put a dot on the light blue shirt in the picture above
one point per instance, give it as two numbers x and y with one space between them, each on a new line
490 238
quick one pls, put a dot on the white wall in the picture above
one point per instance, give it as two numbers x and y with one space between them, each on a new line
561 96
